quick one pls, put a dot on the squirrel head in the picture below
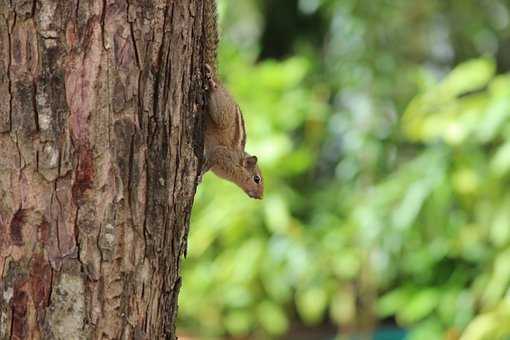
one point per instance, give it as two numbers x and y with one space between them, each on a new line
252 181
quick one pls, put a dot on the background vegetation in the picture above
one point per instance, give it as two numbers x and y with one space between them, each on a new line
383 129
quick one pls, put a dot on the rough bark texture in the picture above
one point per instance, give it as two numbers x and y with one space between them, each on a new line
100 105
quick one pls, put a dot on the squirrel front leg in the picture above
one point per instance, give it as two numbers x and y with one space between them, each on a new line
218 157
221 159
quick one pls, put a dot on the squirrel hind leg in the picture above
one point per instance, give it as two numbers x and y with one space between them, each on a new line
209 74
223 110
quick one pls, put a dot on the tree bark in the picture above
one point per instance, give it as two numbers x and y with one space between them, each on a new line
100 142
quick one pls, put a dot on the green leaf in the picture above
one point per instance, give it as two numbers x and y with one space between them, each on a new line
500 229
428 330
239 322
343 306
440 112
421 303
499 281
272 317
311 304
468 76
390 303
466 181
346 264
481 328
277 214
500 163
405 214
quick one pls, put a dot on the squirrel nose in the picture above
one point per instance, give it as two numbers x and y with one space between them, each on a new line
254 194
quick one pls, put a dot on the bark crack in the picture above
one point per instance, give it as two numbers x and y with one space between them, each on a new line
10 28
34 5
48 302
20 157
135 47
34 104
12 324
57 219
77 236
103 18
140 99
168 70
132 32
77 10
108 87
130 172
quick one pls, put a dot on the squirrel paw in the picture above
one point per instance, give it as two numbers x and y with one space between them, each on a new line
206 166
210 76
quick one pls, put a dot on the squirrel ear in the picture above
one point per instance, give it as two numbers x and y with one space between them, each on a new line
251 161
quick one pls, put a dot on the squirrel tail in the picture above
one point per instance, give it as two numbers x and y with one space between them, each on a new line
211 35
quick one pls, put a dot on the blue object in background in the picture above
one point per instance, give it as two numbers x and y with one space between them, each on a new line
390 334
384 334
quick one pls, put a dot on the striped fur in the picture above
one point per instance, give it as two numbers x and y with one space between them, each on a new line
239 138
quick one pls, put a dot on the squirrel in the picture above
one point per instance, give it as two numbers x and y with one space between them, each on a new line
225 132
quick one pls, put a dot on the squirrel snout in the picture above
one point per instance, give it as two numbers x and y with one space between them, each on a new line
255 194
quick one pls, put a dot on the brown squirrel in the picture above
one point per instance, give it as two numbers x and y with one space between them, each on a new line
225 132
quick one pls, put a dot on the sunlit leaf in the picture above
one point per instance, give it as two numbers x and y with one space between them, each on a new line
466 181
347 264
239 322
500 230
500 279
277 214
468 76
406 212
490 325
391 302
420 304
311 304
428 330
343 306
500 163
272 317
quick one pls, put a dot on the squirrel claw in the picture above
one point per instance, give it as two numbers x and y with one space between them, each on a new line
205 167
210 76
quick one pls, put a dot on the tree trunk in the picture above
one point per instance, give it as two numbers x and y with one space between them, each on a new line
100 142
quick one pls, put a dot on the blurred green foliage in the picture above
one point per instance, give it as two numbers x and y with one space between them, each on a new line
383 130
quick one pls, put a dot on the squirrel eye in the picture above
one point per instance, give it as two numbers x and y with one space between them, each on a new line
256 178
